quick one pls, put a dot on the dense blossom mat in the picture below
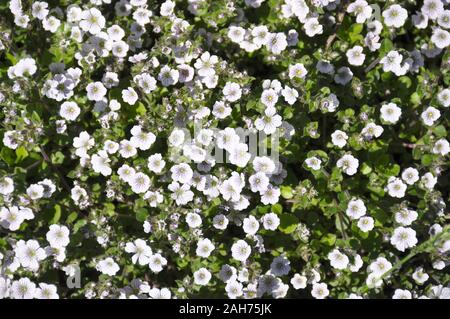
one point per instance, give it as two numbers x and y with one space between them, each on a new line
224 148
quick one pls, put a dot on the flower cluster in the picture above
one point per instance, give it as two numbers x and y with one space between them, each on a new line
224 148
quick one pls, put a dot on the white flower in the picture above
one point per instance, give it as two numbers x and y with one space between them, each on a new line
260 35
176 138
403 238
339 138
270 196
349 164
204 248
239 155
142 252
441 147
297 71
107 266
167 8
313 27
392 61
69 111
111 147
402 294
146 82
115 33
380 266
156 163
269 122
290 95
373 281
23 289
405 216
410 175
129 96
299 281
390 113
357 261
430 115
356 209
168 76
202 277
441 38
6 185
428 180
372 130
234 289
419 276
45 291
39 10
444 96
313 163
395 16
11 218
320 290
220 222
193 220
236 34
95 91
139 183
232 91
51 24
120 50
154 198
221 110
92 21
362 10
270 221
58 236
141 139
432 8
157 263
337 259
35 191
258 182
205 64
127 149
355 55
186 74
240 250
180 193
100 163
29 254
276 42
366 224
263 164
162 293
25 67
126 173
250 225
396 188
181 173
269 98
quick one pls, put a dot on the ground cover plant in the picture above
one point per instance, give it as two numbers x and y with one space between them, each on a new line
224 149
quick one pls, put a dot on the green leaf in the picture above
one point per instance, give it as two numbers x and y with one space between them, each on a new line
21 154
288 223
427 159
56 215
328 239
141 214
277 209
286 192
